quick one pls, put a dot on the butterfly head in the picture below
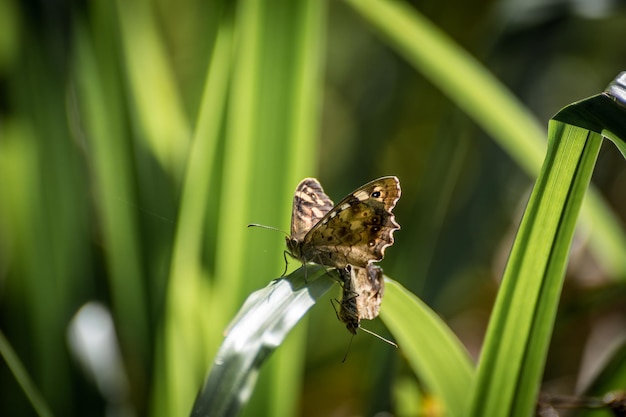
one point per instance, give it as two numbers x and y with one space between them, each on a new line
294 247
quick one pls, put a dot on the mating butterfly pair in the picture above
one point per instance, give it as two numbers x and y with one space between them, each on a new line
349 236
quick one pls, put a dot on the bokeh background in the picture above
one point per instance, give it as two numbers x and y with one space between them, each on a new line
110 296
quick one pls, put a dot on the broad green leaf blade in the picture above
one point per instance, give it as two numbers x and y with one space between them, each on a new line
545 313
261 325
187 294
519 330
603 113
270 137
260 105
433 351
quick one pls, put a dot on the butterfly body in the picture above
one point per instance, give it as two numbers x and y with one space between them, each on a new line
354 232
363 290
348 312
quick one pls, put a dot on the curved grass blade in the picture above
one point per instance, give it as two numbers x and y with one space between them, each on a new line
436 355
261 325
519 331
516 345
602 113
21 375
187 292
164 127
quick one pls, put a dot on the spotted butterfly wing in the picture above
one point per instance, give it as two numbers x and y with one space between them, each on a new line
310 205
354 232
368 283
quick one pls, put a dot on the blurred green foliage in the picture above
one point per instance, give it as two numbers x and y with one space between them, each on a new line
138 138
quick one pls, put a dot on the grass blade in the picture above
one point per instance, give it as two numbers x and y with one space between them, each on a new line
519 332
165 127
261 325
21 375
433 351
187 293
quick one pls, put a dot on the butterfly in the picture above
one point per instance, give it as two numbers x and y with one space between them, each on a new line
348 311
362 294
363 290
354 232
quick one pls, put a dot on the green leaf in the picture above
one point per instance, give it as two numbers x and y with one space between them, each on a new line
435 354
260 326
519 330
260 105
518 336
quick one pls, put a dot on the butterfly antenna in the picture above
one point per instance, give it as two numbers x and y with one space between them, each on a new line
286 263
268 227
379 336
348 350
285 252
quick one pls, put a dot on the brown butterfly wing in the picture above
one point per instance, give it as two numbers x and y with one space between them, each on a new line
368 283
357 230
310 205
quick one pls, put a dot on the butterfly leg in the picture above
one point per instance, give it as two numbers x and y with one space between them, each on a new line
286 263
285 253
